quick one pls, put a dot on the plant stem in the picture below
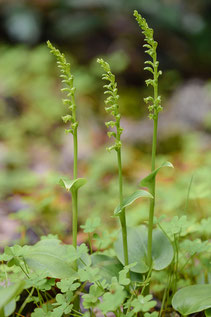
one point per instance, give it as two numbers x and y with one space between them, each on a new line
75 199
122 215
90 242
25 302
152 189
75 144
152 201
75 192
75 174
75 213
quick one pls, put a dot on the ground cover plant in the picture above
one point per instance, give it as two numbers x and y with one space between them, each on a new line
157 268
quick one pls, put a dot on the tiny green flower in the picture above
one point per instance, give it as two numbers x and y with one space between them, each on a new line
69 89
151 49
112 106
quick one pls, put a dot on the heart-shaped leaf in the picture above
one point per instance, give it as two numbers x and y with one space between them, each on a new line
162 251
147 181
130 199
72 184
192 299
9 293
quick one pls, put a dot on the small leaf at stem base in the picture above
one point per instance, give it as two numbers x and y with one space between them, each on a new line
72 184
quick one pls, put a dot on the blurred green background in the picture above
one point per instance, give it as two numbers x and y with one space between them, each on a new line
34 150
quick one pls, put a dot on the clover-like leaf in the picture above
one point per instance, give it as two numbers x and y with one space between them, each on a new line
89 274
130 199
123 274
67 284
91 225
113 299
143 303
153 314
195 247
72 184
41 312
147 181
192 299
178 226
205 226
90 300
40 281
63 304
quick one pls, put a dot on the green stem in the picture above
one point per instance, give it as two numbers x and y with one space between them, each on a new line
176 263
90 242
122 215
164 296
25 302
75 163
75 213
152 201
145 289
154 146
75 194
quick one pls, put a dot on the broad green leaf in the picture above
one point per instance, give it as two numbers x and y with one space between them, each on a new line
89 274
110 267
192 299
208 312
72 184
51 256
147 181
7 294
162 251
83 258
130 199
10 308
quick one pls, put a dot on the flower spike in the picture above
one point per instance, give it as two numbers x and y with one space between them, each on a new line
112 106
69 89
152 66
